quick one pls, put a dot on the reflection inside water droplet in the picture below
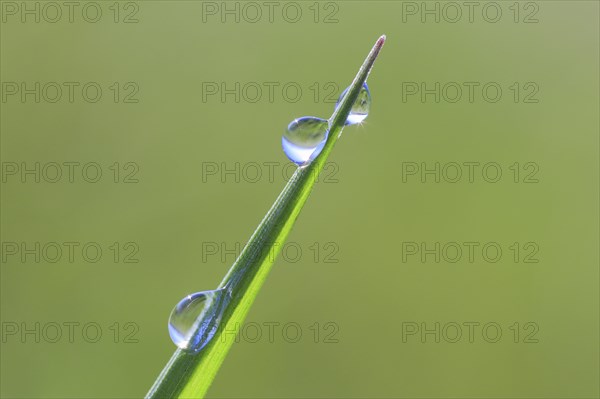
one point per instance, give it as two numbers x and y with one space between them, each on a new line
195 319
304 138
361 107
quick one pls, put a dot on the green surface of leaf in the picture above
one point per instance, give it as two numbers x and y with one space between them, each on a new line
189 375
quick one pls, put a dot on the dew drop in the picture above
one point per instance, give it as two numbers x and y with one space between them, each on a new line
195 319
361 107
304 138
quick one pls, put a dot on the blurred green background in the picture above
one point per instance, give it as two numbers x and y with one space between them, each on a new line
353 287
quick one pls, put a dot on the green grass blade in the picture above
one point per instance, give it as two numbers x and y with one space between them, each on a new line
189 375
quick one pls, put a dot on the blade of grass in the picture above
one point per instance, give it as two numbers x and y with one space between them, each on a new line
189 375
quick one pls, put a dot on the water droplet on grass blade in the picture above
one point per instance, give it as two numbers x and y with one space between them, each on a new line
195 319
361 107
303 137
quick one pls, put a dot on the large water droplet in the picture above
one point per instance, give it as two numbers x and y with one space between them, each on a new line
304 138
195 319
361 107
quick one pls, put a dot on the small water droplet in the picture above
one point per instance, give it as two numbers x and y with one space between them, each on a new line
304 138
361 107
195 319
